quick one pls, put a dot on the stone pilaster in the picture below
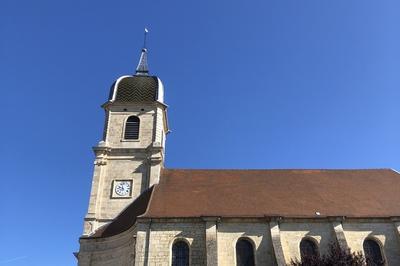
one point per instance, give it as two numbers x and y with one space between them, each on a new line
276 242
211 240
155 162
90 222
142 242
396 223
339 233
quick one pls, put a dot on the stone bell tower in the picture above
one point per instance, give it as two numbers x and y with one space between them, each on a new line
130 156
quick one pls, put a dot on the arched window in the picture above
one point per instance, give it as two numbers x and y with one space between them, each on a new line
244 253
373 253
308 250
180 253
132 128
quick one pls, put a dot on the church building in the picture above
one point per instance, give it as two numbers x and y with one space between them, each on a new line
142 213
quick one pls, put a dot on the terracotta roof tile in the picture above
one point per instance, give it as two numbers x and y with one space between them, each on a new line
294 193
259 193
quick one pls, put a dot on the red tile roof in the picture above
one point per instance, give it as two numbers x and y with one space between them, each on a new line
259 193
295 193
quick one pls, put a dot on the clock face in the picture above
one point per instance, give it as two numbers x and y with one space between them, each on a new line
123 188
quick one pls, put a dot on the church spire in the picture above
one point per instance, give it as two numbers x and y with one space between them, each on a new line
142 67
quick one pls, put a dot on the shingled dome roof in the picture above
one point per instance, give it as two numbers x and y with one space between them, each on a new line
140 87
137 88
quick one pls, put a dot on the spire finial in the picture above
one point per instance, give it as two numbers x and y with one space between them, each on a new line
145 37
142 68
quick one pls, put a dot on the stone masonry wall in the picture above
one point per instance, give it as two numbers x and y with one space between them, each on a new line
258 233
120 159
118 169
152 240
293 232
163 235
112 251
383 232
116 126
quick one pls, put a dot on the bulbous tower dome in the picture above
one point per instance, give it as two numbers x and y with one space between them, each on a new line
140 87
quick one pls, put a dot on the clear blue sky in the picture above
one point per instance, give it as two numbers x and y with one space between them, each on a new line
250 84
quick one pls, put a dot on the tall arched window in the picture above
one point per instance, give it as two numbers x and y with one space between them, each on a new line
244 253
180 253
308 250
373 253
132 128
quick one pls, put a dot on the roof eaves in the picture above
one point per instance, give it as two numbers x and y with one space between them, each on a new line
153 187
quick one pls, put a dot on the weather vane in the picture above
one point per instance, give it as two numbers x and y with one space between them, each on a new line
145 37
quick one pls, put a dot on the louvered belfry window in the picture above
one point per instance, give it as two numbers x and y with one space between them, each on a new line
373 254
132 128
308 249
180 254
244 253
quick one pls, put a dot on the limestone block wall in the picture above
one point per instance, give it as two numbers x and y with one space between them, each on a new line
120 159
163 234
228 233
383 232
117 169
150 241
293 232
103 205
116 126
116 250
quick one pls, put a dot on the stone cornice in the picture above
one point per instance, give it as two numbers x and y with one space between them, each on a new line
109 104
280 219
211 218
